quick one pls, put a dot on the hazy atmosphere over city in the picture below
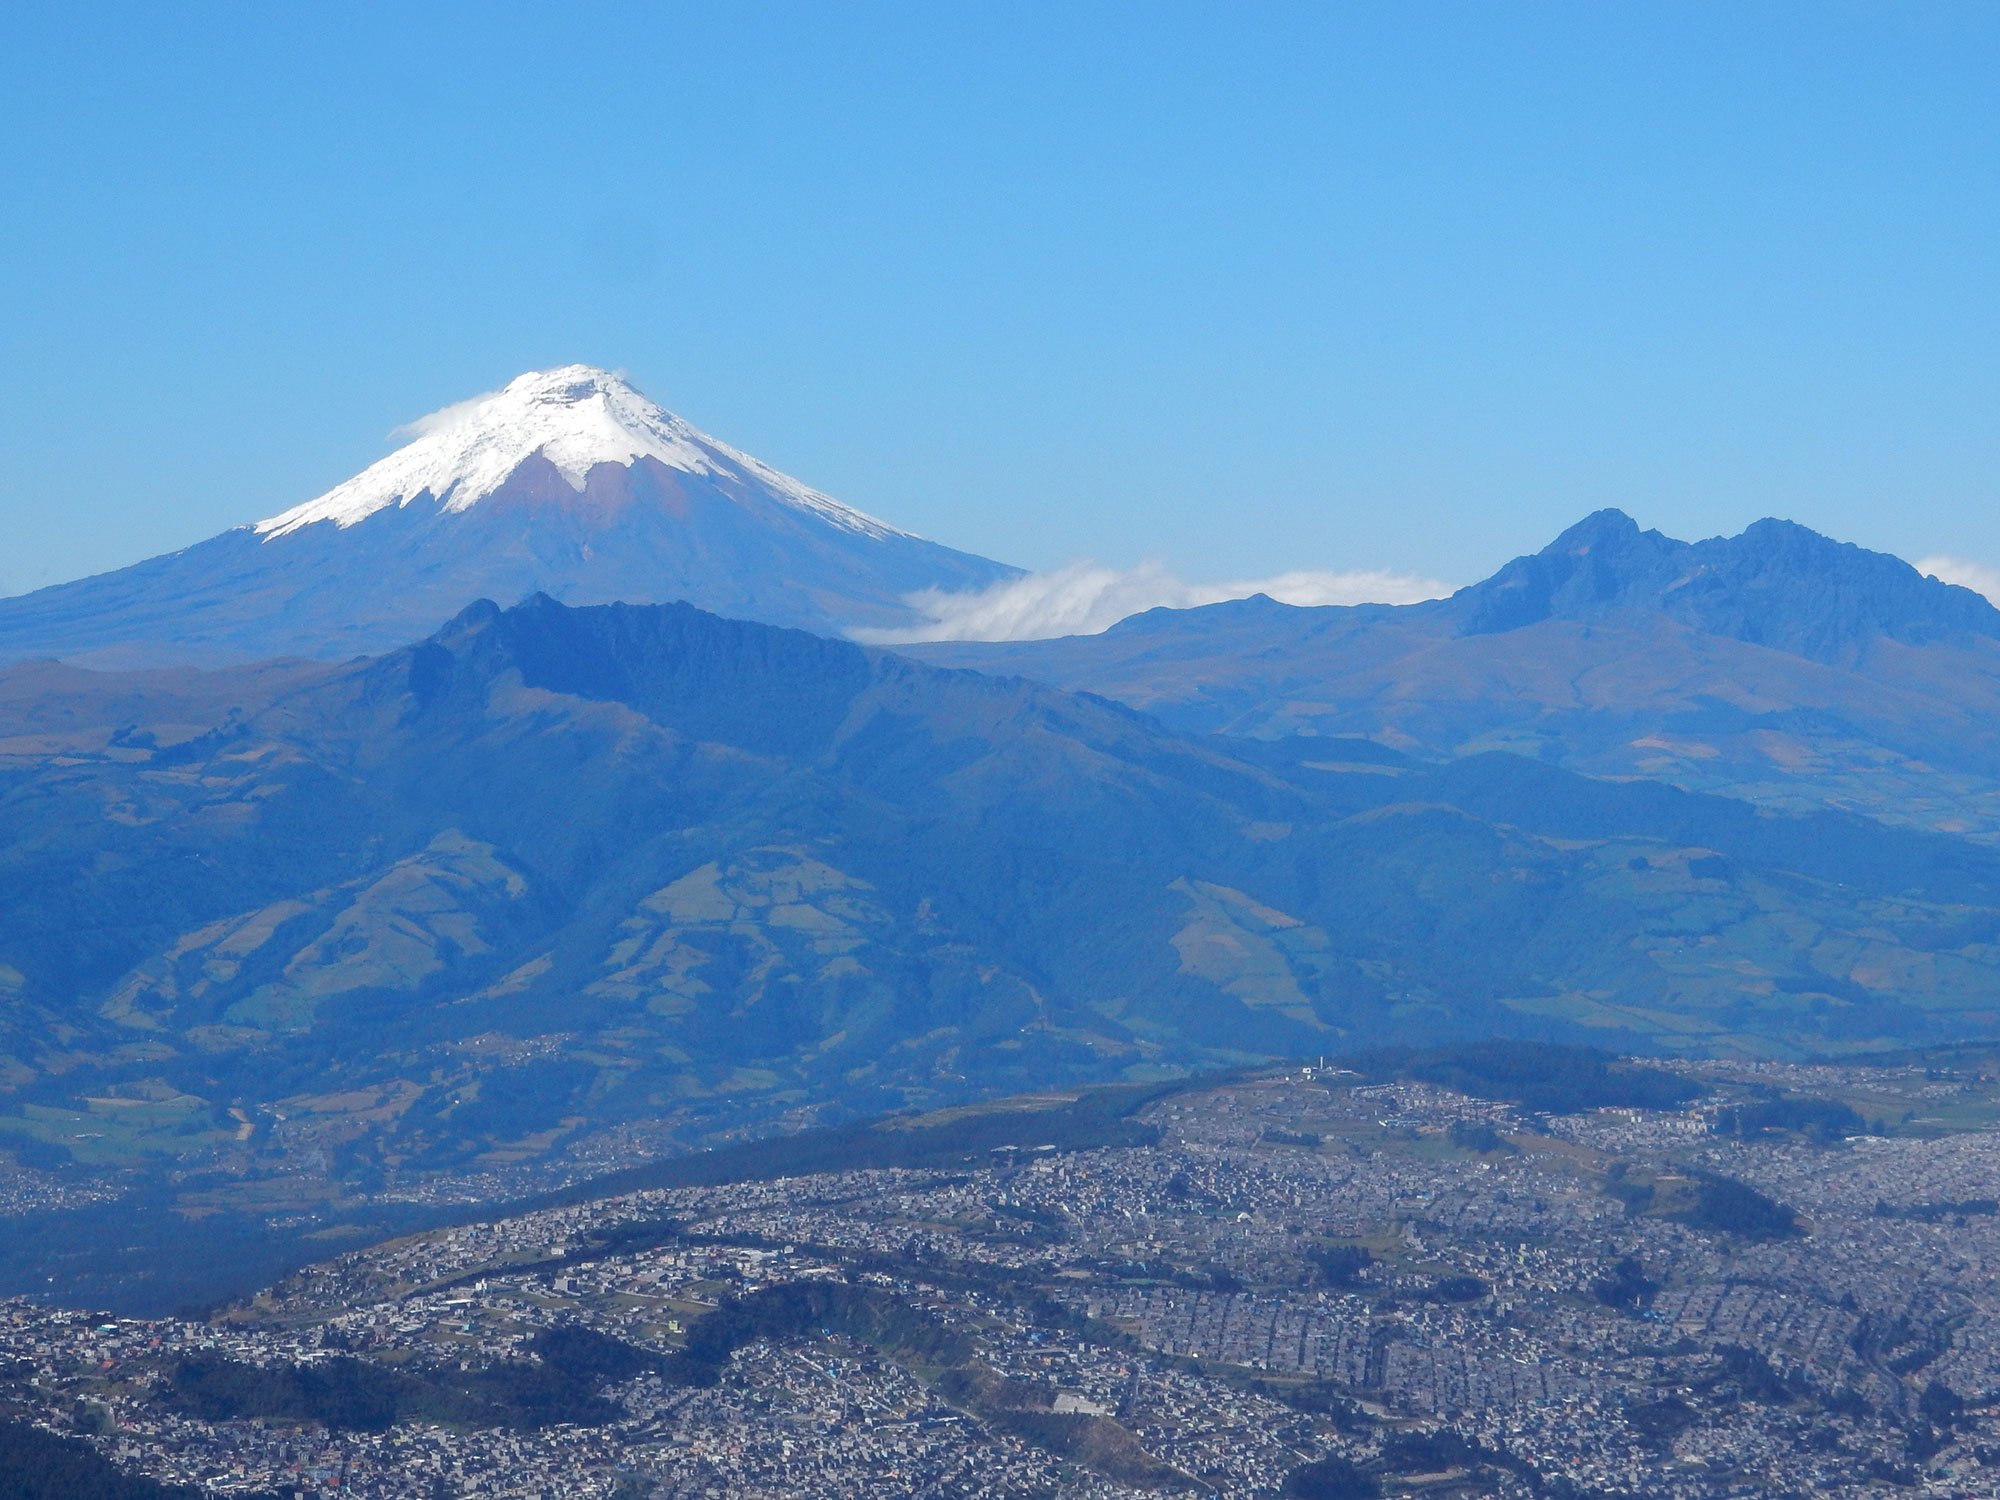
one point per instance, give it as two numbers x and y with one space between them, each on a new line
1071 752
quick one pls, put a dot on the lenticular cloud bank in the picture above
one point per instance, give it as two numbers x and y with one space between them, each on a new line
1086 599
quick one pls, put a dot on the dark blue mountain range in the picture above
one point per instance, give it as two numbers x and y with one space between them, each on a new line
558 887
1777 666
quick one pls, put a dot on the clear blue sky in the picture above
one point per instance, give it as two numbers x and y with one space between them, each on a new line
1247 286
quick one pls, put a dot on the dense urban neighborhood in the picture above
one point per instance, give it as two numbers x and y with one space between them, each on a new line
1434 1276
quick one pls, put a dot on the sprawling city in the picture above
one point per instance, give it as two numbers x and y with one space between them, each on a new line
1737 1279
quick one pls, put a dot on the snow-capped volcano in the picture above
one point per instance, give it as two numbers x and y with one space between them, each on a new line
576 418
567 482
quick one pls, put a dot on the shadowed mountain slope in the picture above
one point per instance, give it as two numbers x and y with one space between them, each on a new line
559 881
1776 666
558 889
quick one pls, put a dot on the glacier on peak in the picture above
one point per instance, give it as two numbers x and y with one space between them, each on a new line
575 417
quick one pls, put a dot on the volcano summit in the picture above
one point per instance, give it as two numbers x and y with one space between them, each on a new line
567 482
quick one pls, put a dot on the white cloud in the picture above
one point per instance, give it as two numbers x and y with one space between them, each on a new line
439 420
1978 577
1086 598
458 411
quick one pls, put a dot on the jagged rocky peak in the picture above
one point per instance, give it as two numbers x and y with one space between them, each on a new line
1777 584
572 418
1601 559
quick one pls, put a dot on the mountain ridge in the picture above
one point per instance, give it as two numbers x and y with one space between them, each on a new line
559 888
1778 666
601 754
1748 587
